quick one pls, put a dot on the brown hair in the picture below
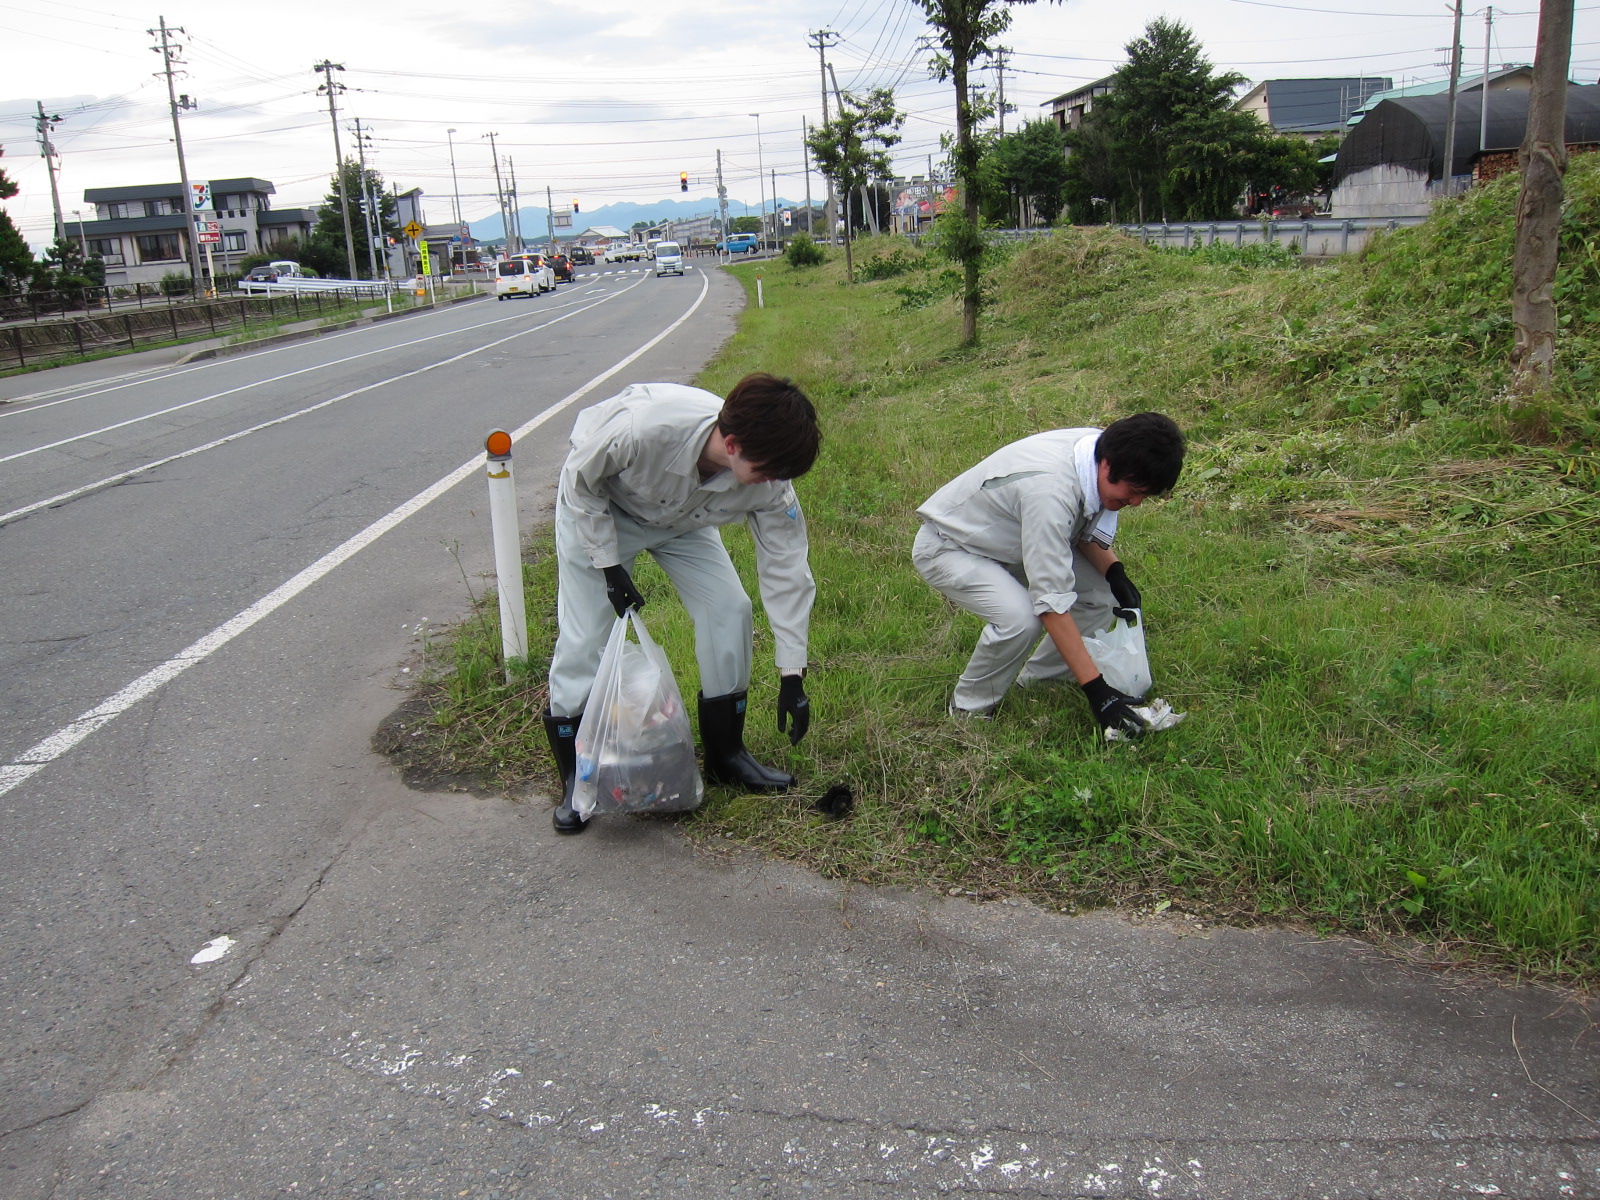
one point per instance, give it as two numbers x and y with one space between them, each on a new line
774 424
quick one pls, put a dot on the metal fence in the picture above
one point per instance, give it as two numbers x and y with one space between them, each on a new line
62 339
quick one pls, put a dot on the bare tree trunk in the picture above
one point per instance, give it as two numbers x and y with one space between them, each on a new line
1543 159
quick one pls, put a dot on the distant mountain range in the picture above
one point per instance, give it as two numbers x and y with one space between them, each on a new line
622 216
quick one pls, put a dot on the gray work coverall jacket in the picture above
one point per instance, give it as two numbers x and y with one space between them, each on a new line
631 483
1001 541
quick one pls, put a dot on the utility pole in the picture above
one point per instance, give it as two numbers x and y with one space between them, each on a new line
169 55
805 159
1483 92
550 216
514 204
333 89
47 151
722 202
761 183
822 39
1000 75
499 194
1450 110
366 203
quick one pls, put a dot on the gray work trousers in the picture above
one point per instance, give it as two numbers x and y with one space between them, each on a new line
699 567
1012 647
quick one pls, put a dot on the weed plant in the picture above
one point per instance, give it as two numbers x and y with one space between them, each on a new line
1374 592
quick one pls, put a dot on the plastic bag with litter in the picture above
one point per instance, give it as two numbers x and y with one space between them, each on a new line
1120 654
635 749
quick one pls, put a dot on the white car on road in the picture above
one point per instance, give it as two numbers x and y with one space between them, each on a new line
624 252
669 259
524 275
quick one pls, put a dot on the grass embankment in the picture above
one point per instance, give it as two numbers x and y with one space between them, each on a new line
1374 592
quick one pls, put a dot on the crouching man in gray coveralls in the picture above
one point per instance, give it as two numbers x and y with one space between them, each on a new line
656 468
1023 540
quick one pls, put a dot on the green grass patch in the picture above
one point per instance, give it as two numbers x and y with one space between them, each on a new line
1374 592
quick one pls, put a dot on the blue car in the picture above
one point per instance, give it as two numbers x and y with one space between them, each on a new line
740 243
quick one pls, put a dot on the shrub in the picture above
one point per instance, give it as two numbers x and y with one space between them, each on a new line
803 252
174 284
887 266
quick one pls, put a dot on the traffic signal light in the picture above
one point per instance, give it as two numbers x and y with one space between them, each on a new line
683 181
574 204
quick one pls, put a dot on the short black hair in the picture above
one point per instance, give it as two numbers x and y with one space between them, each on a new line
774 424
1145 449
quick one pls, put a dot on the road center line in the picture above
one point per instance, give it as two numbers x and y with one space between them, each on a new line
42 753
78 437
124 476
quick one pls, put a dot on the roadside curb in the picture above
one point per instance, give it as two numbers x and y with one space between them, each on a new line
297 335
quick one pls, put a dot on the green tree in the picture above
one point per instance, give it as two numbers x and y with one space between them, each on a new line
1025 168
324 250
964 31
16 260
1165 143
744 224
853 148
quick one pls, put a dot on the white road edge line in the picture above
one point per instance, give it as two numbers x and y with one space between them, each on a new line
42 753
124 476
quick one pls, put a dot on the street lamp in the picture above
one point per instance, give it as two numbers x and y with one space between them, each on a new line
761 181
455 184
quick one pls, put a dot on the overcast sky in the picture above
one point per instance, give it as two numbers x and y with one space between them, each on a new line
609 99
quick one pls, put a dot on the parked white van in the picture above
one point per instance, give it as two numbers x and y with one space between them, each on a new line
669 259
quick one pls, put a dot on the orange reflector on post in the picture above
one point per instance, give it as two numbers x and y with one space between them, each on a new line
498 444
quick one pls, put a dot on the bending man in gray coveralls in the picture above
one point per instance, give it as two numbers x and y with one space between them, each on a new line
1023 540
657 468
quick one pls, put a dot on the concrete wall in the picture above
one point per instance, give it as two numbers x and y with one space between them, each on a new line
1385 190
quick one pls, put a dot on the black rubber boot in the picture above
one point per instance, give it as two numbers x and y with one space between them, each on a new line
563 735
727 761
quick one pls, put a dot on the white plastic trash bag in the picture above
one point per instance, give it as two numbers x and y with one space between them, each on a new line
635 750
1120 654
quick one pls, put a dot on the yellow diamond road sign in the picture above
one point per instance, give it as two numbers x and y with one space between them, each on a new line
413 230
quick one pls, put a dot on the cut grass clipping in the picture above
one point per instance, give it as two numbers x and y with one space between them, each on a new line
1374 591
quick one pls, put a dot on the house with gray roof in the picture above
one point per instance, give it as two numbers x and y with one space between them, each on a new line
1310 108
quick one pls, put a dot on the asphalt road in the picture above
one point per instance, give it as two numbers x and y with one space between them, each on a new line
430 995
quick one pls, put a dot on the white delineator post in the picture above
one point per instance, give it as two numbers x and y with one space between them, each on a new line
507 547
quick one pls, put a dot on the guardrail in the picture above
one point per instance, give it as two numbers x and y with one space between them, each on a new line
302 284
1316 236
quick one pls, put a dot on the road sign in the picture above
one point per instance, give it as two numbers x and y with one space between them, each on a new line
561 220
412 230
209 232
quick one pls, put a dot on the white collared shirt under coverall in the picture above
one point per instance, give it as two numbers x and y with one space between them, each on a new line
1001 541
631 483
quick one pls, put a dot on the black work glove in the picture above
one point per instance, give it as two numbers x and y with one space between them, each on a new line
620 590
794 710
1113 709
1127 596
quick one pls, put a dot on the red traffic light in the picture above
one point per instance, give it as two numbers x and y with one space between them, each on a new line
683 181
